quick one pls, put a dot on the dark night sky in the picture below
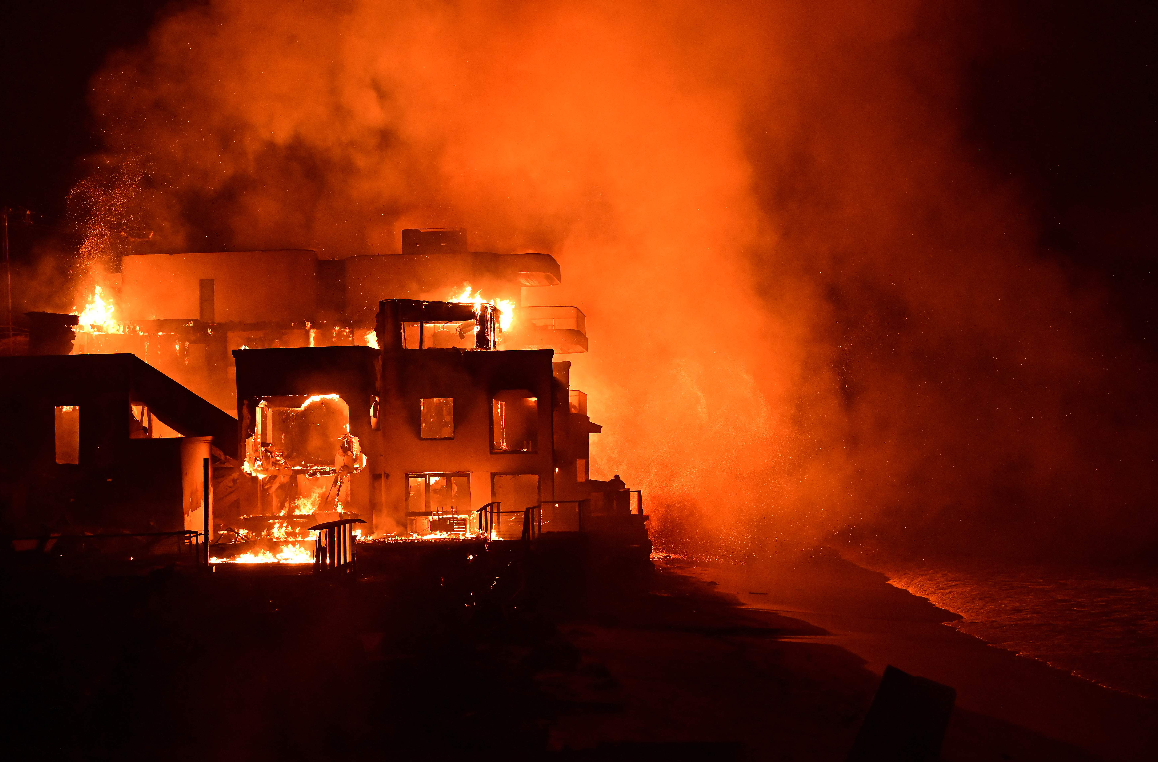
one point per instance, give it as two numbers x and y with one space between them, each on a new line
1061 96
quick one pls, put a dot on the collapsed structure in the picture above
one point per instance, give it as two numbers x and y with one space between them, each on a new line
381 389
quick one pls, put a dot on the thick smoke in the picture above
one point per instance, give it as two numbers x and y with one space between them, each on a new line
811 315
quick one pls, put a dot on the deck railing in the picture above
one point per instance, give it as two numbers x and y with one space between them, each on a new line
555 318
490 521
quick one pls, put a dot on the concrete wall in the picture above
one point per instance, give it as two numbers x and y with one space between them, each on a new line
370 279
249 286
471 378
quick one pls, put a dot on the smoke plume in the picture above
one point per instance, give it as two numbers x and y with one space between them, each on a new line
812 316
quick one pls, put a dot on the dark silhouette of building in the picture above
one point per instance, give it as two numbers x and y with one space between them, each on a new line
100 443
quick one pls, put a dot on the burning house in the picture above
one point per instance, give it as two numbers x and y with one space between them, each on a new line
185 313
420 437
380 394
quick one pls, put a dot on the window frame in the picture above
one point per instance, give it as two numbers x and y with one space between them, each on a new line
421 418
527 395
59 411
426 494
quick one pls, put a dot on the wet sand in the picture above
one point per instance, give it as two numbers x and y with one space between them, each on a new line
688 661
883 625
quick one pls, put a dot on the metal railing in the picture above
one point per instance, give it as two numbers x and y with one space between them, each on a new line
490 521
548 516
486 518
189 540
563 515
555 318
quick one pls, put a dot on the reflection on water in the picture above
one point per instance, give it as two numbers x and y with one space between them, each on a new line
1099 624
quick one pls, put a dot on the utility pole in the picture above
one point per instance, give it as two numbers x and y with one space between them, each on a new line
5 213
8 267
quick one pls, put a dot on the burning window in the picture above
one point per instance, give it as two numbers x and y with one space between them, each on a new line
439 335
581 470
299 433
144 425
68 434
304 455
514 422
306 443
438 418
438 502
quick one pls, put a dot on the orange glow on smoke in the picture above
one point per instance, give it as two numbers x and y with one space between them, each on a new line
810 309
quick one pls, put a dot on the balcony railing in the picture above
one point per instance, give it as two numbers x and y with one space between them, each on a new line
555 318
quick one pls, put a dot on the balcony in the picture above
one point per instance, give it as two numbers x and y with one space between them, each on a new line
563 329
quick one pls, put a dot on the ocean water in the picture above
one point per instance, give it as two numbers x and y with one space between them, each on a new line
1099 624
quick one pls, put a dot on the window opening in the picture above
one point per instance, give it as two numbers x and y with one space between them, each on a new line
68 434
438 503
514 422
140 423
304 454
437 418
453 335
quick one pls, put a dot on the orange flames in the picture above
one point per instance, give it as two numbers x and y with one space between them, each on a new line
297 553
97 316
282 530
505 306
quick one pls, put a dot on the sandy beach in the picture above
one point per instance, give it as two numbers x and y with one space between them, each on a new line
800 693
513 656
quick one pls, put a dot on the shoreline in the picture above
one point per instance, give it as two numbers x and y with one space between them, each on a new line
881 623
986 616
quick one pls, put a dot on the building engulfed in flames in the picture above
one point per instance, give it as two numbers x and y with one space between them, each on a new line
417 394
